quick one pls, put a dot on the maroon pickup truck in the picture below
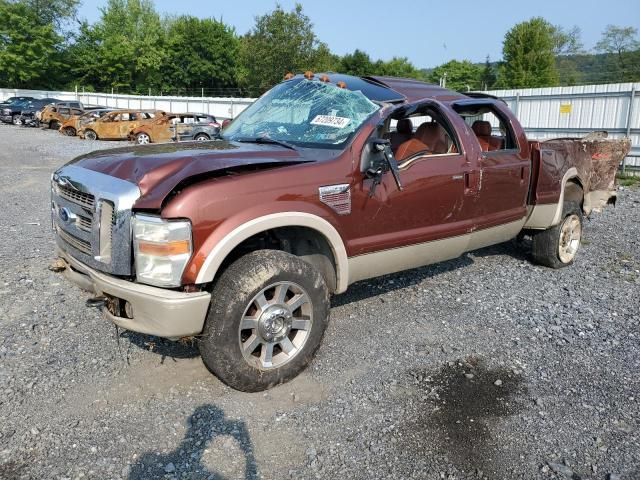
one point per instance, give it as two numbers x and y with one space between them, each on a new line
324 181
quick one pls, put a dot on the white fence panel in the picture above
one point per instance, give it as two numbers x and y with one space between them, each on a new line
575 111
219 107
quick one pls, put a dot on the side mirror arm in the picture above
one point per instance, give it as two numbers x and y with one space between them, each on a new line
384 146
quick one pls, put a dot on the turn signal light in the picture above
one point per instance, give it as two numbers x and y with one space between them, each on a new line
308 74
177 247
289 76
324 78
341 85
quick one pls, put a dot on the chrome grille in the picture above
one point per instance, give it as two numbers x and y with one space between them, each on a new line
84 199
84 223
91 212
77 243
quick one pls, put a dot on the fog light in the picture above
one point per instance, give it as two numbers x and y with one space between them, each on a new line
128 310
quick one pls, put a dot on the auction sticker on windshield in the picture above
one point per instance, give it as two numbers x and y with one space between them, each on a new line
331 121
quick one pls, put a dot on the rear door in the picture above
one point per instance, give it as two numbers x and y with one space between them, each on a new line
503 158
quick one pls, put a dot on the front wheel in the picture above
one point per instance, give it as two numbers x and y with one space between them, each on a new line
70 131
90 135
16 119
202 137
558 246
54 125
268 314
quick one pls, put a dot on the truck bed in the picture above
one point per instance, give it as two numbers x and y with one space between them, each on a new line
594 159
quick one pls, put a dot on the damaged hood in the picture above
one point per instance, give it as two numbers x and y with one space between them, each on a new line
158 169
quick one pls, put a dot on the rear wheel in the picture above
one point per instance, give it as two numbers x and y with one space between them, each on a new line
54 125
268 314
143 138
202 137
90 135
558 246
70 131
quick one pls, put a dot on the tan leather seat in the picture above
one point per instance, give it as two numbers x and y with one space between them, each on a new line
483 130
404 132
433 136
408 148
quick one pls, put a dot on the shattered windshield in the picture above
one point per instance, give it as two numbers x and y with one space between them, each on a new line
307 113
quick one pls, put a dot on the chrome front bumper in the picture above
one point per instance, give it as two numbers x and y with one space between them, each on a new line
156 311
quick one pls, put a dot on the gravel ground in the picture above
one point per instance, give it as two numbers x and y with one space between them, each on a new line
483 367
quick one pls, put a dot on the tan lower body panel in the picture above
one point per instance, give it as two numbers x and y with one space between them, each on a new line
421 254
156 311
542 216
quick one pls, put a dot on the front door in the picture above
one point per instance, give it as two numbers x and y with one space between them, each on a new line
435 203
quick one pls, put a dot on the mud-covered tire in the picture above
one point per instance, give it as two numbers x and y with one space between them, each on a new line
90 135
557 246
235 321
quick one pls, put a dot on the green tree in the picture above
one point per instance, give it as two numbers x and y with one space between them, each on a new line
124 50
357 63
488 75
461 76
621 44
398 67
200 53
528 54
280 42
30 48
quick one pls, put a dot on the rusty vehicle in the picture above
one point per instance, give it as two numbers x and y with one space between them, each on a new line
53 116
177 127
71 126
324 181
117 125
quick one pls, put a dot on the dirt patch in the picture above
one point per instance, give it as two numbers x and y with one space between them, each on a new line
466 400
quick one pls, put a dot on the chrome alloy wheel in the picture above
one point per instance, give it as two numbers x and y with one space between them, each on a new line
275 326
570 235
143 139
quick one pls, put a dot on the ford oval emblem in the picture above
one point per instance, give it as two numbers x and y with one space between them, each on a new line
63 214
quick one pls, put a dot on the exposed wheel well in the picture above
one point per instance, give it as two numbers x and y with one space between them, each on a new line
306 243
573 191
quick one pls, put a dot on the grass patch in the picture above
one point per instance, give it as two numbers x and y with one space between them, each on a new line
628 180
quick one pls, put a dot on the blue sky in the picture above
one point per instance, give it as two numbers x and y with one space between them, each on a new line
428 33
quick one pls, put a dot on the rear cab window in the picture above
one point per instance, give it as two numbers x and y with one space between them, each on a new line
491 128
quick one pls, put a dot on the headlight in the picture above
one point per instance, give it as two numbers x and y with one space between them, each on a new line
162 249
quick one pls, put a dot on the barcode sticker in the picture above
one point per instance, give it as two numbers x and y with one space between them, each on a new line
330 121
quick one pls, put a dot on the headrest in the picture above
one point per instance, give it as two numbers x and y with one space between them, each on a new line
481 128
433 135
404 126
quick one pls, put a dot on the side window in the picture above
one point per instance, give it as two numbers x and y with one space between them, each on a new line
63 111
493 132
188 120
420 131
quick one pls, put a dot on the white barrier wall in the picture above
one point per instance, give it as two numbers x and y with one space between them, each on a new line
219 107
575 111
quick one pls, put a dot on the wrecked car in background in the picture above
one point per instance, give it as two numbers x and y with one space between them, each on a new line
52 116
324 181
177 127
117 125
71 126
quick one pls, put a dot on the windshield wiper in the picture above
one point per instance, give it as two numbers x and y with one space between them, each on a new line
267 140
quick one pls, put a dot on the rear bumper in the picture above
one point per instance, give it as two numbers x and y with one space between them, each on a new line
156 311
